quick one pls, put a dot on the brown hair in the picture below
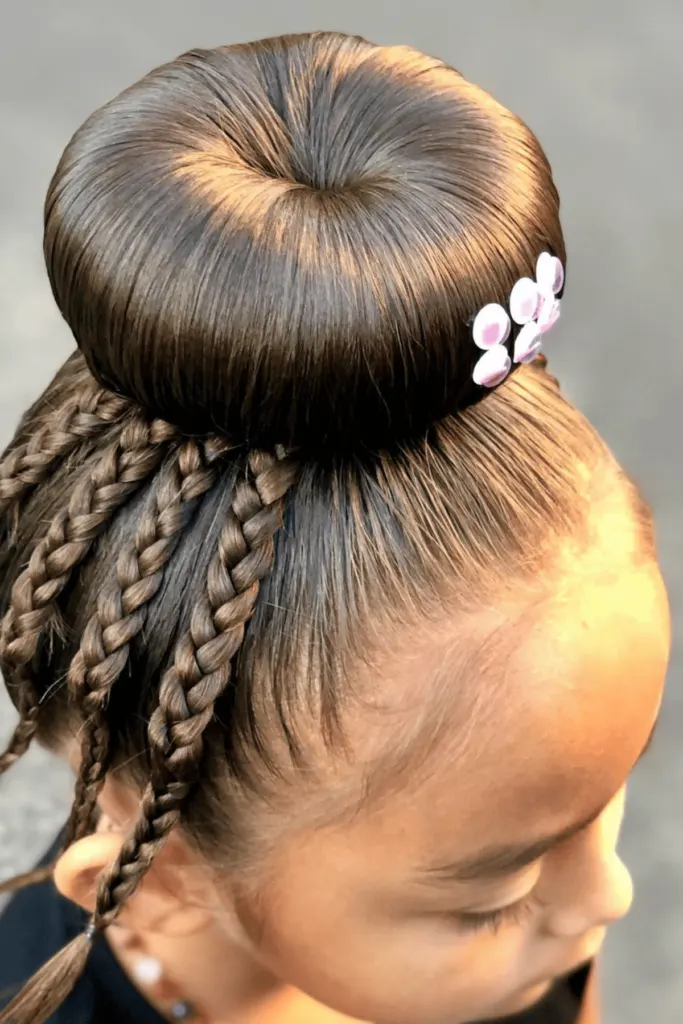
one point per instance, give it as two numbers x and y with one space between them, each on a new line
270 256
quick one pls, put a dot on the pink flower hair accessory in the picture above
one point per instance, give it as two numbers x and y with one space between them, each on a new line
534 306
528 343
493 367
491 326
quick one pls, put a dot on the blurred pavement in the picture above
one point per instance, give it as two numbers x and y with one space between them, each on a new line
601 82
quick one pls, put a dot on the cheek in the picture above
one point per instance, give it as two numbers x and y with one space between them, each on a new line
399 972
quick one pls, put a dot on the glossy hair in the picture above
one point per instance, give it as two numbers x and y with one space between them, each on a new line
270 256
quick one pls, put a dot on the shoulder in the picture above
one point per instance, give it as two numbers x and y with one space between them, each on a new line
31 931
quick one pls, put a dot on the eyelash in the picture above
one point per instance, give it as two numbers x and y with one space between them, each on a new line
493 920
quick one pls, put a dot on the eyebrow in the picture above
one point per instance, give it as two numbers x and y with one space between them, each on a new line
498 861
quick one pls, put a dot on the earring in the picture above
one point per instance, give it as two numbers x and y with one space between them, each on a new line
149 973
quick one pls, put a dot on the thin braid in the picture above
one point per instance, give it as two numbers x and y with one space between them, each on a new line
201 672
121 469
63 429
121 615
188 693
71 378
28 707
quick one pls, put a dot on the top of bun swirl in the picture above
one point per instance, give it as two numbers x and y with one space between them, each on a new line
286 241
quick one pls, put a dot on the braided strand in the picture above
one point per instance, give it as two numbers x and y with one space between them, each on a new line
201 672
120 616
62 430
118 473
28 706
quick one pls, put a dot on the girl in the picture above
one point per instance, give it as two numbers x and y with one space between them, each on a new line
350 625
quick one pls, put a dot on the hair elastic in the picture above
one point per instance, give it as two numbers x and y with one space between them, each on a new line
533 306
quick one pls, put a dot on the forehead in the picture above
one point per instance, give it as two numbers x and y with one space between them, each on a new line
557 714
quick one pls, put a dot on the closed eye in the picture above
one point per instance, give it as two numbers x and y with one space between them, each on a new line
494 920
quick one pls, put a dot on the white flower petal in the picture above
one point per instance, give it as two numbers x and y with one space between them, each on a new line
491 326
549 313
528 343
549 273
524 301
493 367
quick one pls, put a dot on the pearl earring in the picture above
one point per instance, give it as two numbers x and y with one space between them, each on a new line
148 972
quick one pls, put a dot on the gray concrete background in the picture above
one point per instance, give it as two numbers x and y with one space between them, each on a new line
601 82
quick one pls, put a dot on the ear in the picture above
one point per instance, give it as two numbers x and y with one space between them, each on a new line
164 903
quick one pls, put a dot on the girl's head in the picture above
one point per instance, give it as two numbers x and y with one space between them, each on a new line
378 646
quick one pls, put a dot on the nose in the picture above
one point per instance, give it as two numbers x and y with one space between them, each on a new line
606 898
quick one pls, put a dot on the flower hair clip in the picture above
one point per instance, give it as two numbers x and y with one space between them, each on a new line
534 306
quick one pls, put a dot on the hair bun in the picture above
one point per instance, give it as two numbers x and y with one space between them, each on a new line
286 241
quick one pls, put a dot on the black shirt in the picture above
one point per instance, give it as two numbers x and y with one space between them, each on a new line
38 922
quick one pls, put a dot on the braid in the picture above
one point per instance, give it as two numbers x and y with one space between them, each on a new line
62 430
28 707
189 690
120 470
120 616
201 671
71 377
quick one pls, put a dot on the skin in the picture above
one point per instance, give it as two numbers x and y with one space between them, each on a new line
350 924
